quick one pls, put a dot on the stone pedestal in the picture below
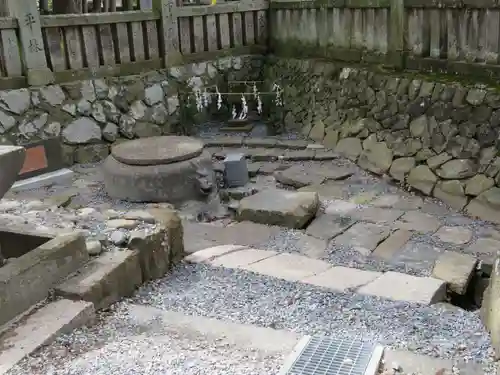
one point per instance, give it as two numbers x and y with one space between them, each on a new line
170 169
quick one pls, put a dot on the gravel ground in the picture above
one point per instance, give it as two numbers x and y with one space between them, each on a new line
245 297
118 345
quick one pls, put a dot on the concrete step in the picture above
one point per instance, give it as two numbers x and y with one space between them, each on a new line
40 328
298 268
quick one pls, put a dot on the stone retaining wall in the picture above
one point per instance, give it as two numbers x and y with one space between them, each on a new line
439 138
91 115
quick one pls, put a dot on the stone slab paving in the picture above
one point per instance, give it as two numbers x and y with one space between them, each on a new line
456 269
298 268
363 237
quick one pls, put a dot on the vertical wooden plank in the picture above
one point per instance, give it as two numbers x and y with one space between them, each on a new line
369 31
55 44
396 36
490 36
152 37
90 45
225 32
262 27
453 52
123 42
199 44
303 25
435 43
137 41
357 29
322 28
249 28
185 35
280 25
414 32
287 31
472 36
334 27
11 58
313 33
237 30
212 33
383 30
107 46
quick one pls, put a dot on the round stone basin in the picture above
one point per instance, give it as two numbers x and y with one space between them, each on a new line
171 169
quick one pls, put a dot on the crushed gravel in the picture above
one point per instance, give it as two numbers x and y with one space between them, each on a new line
249 298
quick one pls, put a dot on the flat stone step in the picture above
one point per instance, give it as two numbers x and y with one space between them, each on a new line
146 339
297 268
41 328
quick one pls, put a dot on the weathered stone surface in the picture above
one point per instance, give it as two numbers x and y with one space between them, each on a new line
327 190
81 131
317 132
153 94
491 307
110 132
299 176
486 206
7 122
349 147
438 160
402 287
104 280
363 237
92 153
53 94
30 126
341 279
376 214
16 101
422 179
327 227
454 235
401 167
153 183
243 258
377 158
331 138
419 222
279 207
478 184
457 169
291 267
456 269
158 150
451 192
393 243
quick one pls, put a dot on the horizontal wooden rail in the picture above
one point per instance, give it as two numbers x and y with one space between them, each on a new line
322 4
8 23
61 20
453 4
236 7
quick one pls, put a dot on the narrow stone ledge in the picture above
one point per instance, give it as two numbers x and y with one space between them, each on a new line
402 287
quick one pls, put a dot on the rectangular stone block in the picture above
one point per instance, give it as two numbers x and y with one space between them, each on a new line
291 267
419 222
27 280
342 278
41 328
104 280
242 258
402 287
393 243
456 269
363 237
209 254
235 170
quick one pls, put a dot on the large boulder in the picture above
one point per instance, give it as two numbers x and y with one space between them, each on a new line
486 205
377 158
422 178
280 207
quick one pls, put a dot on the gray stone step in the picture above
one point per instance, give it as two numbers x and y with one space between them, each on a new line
40 328
297 268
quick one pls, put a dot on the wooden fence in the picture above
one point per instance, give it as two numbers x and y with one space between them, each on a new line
451 36
39 49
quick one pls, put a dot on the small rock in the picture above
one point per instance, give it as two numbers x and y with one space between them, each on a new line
118 238
86 212
93 247
121 224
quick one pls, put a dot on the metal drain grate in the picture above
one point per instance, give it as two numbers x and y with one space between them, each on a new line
326 355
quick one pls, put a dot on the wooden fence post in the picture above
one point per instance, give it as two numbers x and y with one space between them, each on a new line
32 46
397 33
169 31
